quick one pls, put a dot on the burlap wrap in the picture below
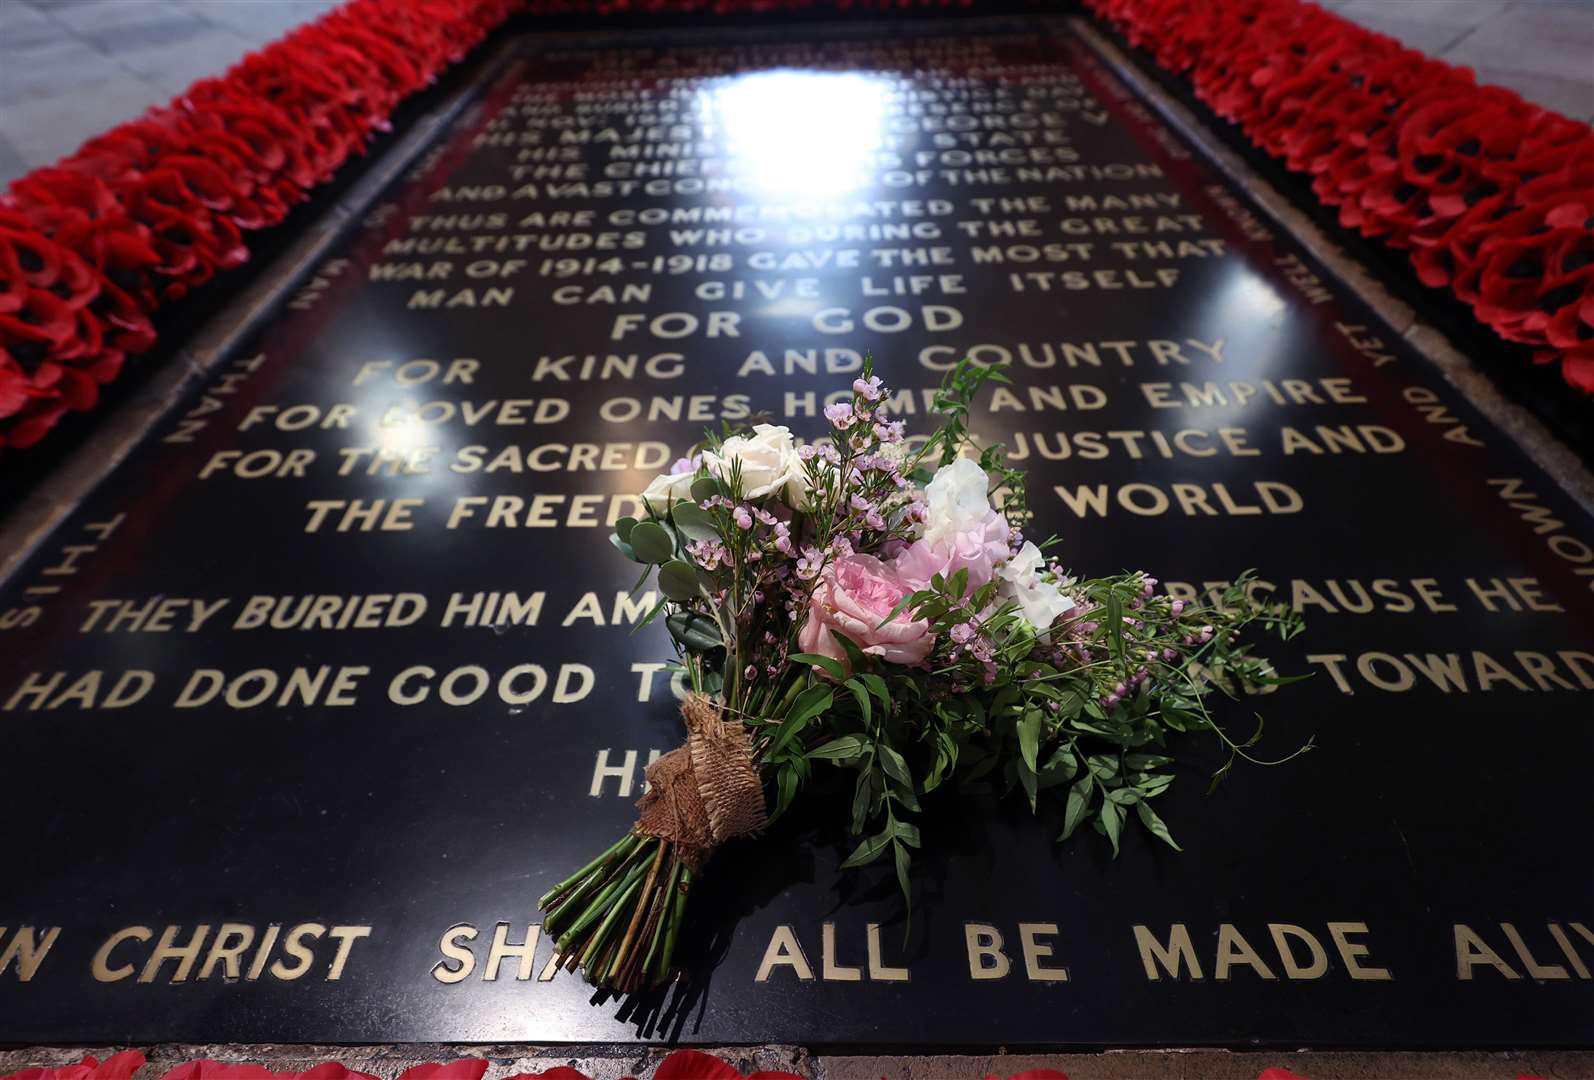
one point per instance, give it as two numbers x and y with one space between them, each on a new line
705 792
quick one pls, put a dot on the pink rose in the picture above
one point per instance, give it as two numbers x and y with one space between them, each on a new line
978 550
852 597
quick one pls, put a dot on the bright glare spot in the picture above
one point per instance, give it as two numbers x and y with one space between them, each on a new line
799 132
1248 296
401 436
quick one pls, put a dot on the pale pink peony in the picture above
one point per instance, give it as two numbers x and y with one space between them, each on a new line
851 597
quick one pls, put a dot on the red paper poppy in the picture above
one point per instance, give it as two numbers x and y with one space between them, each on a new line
462 1069
1484 188
15 386
116 1067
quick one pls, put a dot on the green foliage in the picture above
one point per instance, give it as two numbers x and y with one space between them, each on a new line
1087 716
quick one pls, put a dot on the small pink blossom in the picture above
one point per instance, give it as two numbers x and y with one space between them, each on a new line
809 565
868 389
839 415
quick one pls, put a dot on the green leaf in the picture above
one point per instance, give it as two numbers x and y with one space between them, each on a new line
678 581
1154 825
855 657
894 766
1029 738
652 542
901 606
907 832
1031 783
704 488
829 666
1112 820
623 548
786 782
862 697
959 583
862 798
1154 785
652 614
809 704
1142 762
1063 763
877 687
1102 766
1124 796
946 758
623 527
870 850
1078 805
696 633
844 748
694 522
1115 625
903 861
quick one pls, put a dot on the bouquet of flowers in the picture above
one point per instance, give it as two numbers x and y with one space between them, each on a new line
838 605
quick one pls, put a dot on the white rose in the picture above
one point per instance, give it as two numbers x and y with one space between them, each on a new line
668 488
769 464
956 502
1040 601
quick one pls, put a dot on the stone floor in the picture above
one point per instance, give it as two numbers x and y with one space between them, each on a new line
1542 49
71 68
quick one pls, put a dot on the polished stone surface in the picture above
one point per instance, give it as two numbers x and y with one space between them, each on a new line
70 68
1201 399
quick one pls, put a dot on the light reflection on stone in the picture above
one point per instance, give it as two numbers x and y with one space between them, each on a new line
799 132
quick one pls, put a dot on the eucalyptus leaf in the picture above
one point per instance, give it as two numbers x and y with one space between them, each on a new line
696 633
623 527
694 522
652 542
678 581
704 488
622 547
